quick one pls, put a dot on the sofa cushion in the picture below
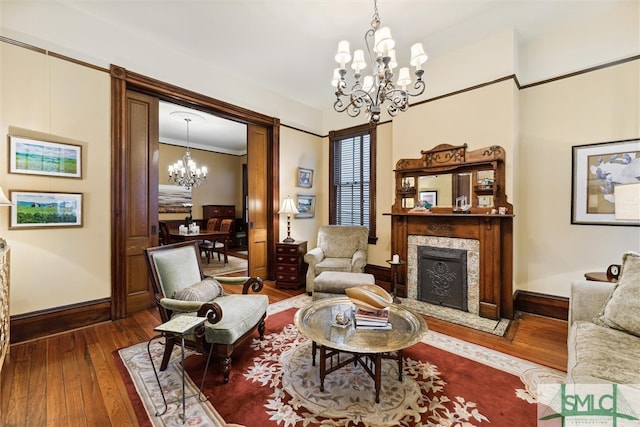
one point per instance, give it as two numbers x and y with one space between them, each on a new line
204 291
599 354
340 247
622 310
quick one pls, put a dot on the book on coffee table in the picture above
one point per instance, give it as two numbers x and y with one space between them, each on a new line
374 319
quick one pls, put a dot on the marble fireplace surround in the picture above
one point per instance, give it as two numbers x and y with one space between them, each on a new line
472 247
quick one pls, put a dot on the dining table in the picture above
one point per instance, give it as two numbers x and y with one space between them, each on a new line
176 236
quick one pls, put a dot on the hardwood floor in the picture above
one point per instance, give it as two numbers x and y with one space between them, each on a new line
71 379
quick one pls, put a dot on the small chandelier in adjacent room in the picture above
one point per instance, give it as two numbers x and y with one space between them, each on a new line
370 92
185 172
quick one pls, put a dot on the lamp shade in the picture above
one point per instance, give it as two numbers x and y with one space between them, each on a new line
3 199
288 207
627 201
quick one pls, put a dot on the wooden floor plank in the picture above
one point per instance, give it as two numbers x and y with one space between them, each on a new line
37 413
84 387
118 406
72 380
56 396
93 403
16 414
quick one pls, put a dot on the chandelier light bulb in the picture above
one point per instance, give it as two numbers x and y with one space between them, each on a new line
392 62
404 79
358 61
418 57
343 56
383 42
336 77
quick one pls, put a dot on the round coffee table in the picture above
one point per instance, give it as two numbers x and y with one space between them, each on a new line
316 322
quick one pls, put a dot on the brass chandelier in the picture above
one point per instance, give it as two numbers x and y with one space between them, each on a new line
372 91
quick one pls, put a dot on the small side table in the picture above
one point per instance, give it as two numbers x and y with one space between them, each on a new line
394 279
178 327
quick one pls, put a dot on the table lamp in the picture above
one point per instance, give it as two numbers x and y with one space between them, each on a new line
288 208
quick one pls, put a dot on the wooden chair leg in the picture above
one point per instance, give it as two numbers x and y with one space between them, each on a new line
225 362
168 348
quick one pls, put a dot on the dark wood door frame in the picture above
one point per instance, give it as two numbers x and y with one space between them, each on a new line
123 80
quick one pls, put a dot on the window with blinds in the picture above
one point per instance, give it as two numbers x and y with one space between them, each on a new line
352 179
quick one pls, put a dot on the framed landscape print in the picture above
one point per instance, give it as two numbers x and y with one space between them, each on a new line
35 157
33 209
597 169
306 206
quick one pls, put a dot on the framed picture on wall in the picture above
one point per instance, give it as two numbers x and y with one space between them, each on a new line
306 206
305 177
35 157
32 209
596 170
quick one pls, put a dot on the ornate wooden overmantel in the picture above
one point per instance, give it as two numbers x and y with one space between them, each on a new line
493 231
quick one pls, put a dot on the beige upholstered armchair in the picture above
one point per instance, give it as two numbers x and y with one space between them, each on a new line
340 248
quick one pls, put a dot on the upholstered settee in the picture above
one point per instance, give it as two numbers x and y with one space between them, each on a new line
604 328
339 248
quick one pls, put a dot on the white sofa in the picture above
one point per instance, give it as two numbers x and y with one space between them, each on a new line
604 328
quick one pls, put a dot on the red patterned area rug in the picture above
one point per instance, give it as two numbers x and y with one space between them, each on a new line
446 382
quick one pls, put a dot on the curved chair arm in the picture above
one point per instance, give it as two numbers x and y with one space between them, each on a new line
212 311
180 306
358 261
313 257
253 283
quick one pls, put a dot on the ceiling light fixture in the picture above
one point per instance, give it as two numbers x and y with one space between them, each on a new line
185 172
370 93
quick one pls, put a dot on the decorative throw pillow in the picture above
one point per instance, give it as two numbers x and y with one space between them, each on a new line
340 247
622 309
203 291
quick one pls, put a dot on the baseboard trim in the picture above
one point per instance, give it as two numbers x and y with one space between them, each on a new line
28 326
542 304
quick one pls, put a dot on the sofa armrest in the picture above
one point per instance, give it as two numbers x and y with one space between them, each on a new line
358 261
313 257
587 299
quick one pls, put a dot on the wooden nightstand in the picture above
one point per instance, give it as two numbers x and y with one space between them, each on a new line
290 266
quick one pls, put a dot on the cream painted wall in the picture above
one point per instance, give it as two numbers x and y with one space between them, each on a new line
479 118
57 100
224 181
300 149
594 107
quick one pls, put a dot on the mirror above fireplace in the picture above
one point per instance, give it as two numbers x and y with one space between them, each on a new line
461 181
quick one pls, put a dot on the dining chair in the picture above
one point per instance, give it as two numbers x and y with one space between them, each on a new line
221 245
207 246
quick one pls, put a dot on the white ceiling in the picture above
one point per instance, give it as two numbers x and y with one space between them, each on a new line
285 46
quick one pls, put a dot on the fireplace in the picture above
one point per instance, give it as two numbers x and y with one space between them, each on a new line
442 276
486 240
